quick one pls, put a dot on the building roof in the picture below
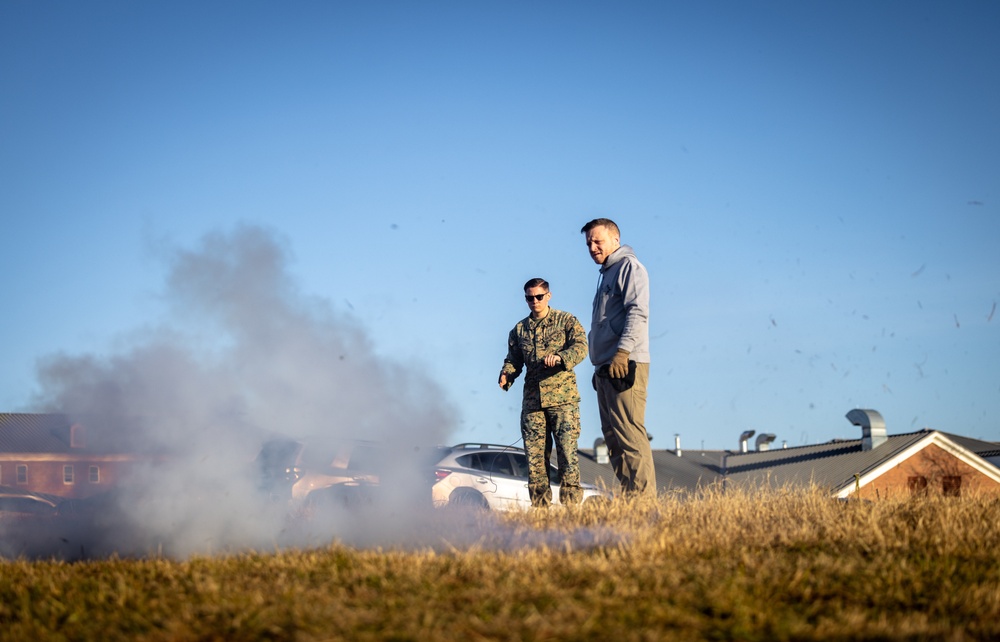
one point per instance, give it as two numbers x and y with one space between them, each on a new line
831 465
54 433
982 448
34 433
672 472
839 465
842 465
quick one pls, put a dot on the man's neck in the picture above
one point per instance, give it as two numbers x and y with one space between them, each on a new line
540 316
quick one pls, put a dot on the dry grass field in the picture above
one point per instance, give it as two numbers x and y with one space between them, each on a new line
791 565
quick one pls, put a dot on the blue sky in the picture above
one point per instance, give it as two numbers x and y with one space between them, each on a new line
813 188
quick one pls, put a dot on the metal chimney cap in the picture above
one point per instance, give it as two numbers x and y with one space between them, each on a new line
872 426
764 440
601 454
866 418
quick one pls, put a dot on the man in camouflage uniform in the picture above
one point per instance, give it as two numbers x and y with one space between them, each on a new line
550 343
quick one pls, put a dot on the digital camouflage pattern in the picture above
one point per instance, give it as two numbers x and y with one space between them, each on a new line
563 423
530 342
550 406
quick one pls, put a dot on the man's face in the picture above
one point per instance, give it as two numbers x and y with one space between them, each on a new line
537 307
601 243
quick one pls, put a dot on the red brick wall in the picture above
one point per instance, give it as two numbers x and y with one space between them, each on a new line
45 475
934 464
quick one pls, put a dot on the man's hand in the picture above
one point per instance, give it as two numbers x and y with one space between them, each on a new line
619 365
552 360
504 384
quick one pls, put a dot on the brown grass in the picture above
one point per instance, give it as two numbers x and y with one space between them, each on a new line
785 565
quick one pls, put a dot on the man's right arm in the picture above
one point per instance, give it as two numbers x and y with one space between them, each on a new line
514 362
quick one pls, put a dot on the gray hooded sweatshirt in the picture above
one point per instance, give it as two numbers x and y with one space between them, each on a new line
621 309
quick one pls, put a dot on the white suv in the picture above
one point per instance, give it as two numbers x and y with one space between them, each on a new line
494 477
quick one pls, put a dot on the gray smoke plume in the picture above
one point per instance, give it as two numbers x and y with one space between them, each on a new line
243 356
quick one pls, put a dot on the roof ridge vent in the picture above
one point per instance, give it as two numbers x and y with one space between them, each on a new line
872 427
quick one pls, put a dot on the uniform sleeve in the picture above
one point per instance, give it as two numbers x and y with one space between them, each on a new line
514 362
576 343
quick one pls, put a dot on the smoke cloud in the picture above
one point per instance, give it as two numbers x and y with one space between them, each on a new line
243 356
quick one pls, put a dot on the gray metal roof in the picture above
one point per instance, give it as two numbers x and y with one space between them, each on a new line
832 465
52 433
34 433
672 472
978 446
685 473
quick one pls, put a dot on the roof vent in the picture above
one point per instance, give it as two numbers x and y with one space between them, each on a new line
744 438
677 444
601 452
872 427
764 441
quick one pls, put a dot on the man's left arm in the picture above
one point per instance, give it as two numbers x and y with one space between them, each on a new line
634 283
575 350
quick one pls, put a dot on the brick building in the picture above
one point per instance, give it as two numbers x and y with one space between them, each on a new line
876 465
49 454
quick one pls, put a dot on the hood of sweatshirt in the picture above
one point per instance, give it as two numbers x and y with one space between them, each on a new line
617 255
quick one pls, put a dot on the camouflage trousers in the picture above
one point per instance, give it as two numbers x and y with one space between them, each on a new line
539 428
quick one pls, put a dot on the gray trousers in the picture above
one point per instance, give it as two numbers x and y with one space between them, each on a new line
623 422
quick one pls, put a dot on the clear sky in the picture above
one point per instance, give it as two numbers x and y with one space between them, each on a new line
814 188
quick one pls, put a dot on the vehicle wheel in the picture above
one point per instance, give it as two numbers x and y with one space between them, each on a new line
467 498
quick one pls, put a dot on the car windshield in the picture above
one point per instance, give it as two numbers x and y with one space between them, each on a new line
278 454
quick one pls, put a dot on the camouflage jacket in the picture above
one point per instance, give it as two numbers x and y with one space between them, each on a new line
527 346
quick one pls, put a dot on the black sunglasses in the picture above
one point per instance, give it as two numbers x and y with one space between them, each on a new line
536 297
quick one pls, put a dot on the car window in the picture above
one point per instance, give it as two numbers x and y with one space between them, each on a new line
487 462
278 454
520 465
501 464
368 458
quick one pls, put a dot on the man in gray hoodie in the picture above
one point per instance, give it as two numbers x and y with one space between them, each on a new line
619 350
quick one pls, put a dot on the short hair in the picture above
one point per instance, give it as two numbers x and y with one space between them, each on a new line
602 222
536 283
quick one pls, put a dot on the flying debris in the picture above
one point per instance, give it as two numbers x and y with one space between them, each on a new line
919 270
975 202
989 317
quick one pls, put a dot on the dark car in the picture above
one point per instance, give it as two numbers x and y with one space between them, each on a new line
17 504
